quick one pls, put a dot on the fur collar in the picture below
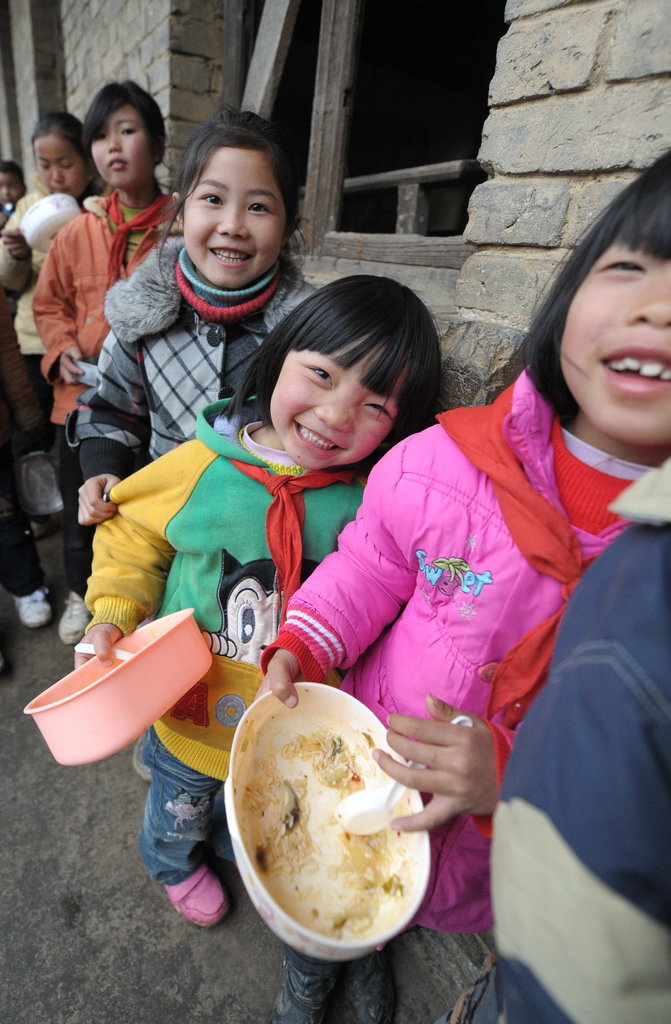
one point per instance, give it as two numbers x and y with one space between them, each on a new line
149 301
97 205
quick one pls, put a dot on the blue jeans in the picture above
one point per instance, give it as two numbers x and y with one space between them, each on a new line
178 820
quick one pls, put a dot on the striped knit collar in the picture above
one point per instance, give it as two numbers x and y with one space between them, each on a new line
225 312
222 296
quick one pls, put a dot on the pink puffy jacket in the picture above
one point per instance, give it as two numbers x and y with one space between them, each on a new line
410 627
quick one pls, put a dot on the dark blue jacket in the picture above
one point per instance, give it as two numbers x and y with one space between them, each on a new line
582 837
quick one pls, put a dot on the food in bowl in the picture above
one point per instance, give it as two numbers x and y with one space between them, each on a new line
341 885
330 893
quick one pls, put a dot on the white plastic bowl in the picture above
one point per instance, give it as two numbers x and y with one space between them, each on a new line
42 221
264 729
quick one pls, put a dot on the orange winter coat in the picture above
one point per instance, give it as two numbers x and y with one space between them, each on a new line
68 301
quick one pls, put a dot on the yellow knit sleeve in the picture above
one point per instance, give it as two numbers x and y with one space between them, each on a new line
131 553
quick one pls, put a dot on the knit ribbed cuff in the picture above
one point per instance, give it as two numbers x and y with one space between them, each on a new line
311 670
98 455
118 611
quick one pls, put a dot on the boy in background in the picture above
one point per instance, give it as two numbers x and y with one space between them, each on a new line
12 188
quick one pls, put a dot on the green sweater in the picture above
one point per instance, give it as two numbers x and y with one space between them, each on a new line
193 517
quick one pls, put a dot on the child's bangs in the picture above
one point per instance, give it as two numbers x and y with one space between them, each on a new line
384 360
640 217
647 228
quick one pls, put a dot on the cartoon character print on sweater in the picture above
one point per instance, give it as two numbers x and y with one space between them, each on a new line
248 600
249 604
453 575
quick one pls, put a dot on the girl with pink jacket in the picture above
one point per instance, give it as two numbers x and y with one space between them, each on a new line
445 594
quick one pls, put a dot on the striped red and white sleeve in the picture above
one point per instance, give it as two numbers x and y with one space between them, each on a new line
314 642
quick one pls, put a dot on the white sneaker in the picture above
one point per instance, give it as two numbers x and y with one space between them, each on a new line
74 619
34 609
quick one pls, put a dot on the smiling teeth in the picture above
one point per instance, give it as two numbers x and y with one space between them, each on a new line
315 439
230 257
640 366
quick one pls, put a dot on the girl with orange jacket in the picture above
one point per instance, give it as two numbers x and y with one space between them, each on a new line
125 135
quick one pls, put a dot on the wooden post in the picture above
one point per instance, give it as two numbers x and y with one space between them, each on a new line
412 210
234 56
331 112
270 51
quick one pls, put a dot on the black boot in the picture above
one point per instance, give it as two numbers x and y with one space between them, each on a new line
305 991
369 986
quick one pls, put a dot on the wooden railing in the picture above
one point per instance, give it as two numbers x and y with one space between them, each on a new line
413 185
410 244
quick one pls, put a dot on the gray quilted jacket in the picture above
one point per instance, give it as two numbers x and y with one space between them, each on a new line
161 363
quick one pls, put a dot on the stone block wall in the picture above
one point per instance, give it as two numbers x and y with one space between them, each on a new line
580 100
171 50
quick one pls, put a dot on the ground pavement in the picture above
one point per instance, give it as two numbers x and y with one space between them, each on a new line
86 938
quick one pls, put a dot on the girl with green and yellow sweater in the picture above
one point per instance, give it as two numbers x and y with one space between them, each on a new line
232 522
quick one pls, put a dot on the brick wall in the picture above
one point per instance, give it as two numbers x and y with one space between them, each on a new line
62 54
10 138
580 99
173 54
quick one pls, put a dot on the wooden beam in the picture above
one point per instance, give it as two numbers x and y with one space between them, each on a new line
331 112
427 174
411 249
270 51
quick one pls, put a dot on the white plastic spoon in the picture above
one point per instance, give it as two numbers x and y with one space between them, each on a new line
118 652
370 810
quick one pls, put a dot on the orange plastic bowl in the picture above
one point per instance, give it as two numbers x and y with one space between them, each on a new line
96 711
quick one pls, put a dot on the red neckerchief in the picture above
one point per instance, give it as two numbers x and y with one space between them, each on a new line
285 517
224 314
151 217
541 532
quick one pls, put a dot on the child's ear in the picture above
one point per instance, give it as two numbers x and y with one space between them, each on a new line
291 228
179 222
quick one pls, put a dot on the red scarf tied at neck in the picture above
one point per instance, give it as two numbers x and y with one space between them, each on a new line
541 532
285 517
151 217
